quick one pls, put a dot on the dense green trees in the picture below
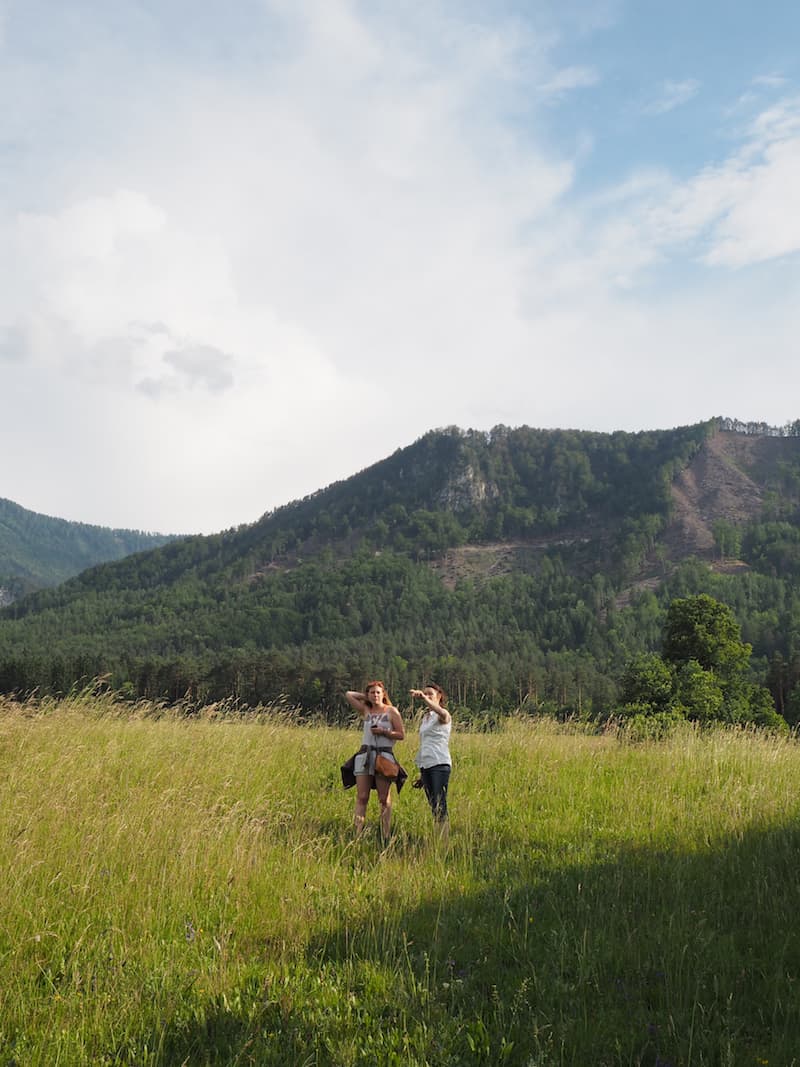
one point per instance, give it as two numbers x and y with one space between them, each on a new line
354 581
37 550
545 641
648 685
453 486
703 630
702 672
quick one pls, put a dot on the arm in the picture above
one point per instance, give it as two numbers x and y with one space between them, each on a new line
357 701
441 713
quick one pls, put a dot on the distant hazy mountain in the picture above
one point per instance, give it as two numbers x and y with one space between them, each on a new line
38 551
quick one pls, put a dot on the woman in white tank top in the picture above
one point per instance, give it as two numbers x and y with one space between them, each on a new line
382 726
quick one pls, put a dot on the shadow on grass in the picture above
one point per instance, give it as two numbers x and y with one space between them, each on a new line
647 958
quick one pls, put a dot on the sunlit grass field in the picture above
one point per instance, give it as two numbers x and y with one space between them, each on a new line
188 891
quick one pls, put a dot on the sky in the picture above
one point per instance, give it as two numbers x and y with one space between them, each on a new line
251 248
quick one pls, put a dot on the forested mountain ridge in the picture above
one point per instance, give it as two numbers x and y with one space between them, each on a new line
38 550
447 489
520 566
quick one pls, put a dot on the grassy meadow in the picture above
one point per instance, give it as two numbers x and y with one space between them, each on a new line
188 891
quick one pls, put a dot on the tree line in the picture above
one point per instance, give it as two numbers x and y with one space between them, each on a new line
321 594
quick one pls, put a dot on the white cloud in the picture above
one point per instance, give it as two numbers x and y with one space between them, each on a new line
779 122
12 344
263 266
201 365
673 94
760 223
735 213
570 78
771 81
742 210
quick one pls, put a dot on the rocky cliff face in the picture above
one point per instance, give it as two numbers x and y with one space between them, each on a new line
465 490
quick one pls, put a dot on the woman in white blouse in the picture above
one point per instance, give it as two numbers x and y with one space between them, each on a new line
433 758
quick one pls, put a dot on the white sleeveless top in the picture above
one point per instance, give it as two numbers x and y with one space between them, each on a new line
434 742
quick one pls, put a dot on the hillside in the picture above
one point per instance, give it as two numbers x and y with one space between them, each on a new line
518 567
37 550
725 482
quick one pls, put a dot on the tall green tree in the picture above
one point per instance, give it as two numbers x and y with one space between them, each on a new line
648 683
702 672
703 629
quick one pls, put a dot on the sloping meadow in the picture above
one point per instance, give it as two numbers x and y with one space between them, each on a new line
188 891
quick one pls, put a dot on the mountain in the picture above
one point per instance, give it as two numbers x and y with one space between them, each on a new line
37 550
516 567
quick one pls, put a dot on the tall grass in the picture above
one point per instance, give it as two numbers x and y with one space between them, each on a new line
189 892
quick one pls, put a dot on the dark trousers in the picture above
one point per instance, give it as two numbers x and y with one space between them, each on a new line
435 781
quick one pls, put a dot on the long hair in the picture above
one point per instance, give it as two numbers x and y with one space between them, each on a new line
386 701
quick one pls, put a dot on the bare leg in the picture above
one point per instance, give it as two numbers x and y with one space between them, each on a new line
363 786
383 786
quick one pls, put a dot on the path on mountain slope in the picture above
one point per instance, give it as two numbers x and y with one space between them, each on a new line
481 561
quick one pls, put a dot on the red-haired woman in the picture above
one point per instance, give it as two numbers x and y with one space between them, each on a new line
382 728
